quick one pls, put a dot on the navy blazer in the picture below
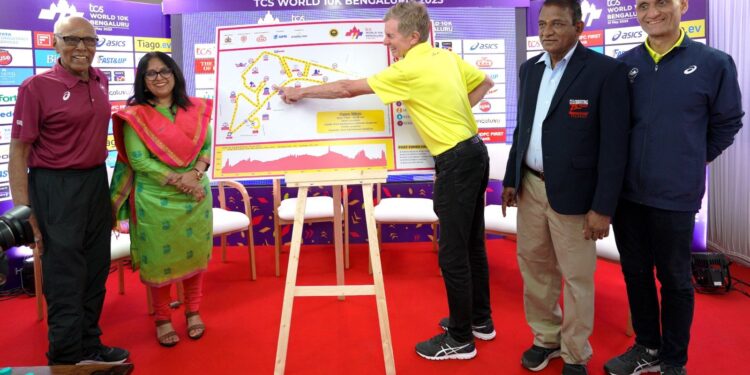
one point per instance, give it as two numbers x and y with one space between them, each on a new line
584 136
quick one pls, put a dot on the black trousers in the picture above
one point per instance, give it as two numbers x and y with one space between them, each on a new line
75 217
649 238
461 179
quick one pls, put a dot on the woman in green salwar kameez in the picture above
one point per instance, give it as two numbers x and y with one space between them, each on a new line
163 141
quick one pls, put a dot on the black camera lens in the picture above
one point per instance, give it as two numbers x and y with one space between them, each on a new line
3 268
15 228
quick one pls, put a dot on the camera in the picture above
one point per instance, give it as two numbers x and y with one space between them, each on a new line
15 230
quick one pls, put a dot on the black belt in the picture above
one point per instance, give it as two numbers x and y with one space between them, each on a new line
536 173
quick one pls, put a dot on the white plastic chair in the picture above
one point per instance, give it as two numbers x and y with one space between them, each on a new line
408 210
494 222
226 222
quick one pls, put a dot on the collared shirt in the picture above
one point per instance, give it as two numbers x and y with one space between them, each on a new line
64 118
658 56
434 85
550 81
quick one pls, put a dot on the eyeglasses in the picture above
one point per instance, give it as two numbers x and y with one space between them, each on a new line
164 73
556 25
72 41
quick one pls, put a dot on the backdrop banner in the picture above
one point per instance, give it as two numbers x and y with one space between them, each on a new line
195 6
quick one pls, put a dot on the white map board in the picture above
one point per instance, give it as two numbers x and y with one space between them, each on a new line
257 135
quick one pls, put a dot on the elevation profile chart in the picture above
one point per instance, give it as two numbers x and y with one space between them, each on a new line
265 160
257 135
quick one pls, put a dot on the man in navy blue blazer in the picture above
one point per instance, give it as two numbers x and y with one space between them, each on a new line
565 171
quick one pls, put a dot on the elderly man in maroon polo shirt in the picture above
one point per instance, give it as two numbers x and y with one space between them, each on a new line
57 155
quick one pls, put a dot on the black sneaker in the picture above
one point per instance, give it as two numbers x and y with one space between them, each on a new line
106 356
536 358
570 369
636 360
673 370
443 346
484 331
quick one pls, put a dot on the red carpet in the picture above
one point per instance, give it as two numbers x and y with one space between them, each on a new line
342 337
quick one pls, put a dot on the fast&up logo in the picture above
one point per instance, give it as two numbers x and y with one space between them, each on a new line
355 33
5 57
111 60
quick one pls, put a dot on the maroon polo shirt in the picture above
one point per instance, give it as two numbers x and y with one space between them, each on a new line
64 118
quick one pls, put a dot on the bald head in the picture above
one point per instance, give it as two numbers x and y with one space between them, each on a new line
75 41
70 24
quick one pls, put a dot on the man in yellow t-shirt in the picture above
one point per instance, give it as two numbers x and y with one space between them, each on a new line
438 89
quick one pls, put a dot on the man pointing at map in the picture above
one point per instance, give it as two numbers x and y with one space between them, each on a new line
438 89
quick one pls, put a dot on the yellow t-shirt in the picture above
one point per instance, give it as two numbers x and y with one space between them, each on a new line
434 85
658 56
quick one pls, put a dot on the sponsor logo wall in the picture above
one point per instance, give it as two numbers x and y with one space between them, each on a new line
126 31
611 27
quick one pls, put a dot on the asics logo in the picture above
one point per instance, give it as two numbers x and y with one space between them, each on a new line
690 69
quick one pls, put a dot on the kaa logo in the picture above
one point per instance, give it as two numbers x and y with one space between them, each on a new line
62 8
590 12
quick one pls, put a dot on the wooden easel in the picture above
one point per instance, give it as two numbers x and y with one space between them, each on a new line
303 181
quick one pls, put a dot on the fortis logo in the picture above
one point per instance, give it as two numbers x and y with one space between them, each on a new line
62 8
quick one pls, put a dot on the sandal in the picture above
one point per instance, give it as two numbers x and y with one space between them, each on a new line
164 340
200 327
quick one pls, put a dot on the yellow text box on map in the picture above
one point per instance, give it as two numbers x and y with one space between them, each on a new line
153 44
351 121
694 28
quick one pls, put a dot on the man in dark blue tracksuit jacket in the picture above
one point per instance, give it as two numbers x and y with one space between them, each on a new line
686 110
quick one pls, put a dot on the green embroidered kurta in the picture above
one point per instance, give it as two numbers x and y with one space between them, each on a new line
172 238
